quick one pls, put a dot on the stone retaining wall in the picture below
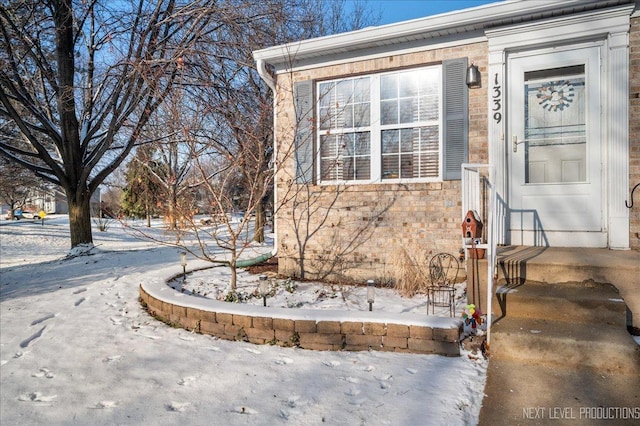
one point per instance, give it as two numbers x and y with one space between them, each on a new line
308 330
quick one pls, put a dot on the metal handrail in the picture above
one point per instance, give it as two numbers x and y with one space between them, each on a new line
471 201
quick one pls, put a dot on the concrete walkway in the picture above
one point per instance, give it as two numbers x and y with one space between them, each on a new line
560 352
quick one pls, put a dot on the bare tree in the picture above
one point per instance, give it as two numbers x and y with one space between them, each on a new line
223 112
16 184
168 162
110 202
241 104
80 80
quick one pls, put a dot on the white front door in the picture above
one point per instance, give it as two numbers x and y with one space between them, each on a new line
554 148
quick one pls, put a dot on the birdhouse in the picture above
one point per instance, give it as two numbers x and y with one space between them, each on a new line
471 225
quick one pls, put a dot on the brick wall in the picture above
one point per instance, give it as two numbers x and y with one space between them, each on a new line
316 334
357 232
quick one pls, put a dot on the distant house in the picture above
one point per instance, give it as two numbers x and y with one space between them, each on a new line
50 200
54 201
373 126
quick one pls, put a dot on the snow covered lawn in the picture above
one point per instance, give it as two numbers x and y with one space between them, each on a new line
77 348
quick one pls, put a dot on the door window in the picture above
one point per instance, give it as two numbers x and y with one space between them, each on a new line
555 128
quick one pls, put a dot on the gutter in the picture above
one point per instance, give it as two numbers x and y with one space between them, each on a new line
271 82
478 18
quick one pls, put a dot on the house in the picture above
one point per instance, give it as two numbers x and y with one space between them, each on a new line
48 199
52 200
372 128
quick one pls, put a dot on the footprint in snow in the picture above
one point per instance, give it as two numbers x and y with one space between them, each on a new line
352 392
80 290
369 368
186 338
26 342
186 380
331 363
36 397
253 351
105 404
384 381
115 321
411 370
292 401
358 402
79 301
178 407
284 414
210 348
353 380
3 362
283 361
244 410
43 319
148 336
112 358
43 372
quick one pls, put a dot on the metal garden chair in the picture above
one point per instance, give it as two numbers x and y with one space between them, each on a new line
443 272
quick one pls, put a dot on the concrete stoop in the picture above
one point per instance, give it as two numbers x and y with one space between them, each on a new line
574 302
599 347
561 354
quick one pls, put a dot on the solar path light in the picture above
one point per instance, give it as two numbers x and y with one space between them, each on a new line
371 293
263 288
183 262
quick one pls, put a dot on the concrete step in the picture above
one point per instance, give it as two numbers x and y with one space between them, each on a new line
576 302
522 264
561 353
599 347
518 264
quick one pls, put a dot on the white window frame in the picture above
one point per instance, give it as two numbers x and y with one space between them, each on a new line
375 129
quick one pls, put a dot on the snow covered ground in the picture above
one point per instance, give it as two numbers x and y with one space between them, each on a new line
76 348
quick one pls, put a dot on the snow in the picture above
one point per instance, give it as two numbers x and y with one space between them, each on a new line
76 348
333 302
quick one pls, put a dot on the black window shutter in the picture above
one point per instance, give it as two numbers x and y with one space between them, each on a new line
456 117
303 154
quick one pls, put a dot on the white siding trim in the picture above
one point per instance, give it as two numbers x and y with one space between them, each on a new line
618 140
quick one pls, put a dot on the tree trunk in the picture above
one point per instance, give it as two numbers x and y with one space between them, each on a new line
173 211
80 218
234 272
148 213
258 234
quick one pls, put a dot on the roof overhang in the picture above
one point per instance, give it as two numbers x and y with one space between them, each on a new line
467 24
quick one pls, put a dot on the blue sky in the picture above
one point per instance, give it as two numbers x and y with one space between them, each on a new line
403 10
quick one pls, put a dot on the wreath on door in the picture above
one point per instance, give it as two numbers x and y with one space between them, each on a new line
555 95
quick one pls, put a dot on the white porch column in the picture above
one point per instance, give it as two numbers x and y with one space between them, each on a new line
496 133
618 139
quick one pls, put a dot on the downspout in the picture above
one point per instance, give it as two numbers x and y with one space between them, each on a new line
271 82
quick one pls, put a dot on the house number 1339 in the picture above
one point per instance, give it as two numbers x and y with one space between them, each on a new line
497 101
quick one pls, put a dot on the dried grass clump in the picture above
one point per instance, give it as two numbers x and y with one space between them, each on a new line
410 273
